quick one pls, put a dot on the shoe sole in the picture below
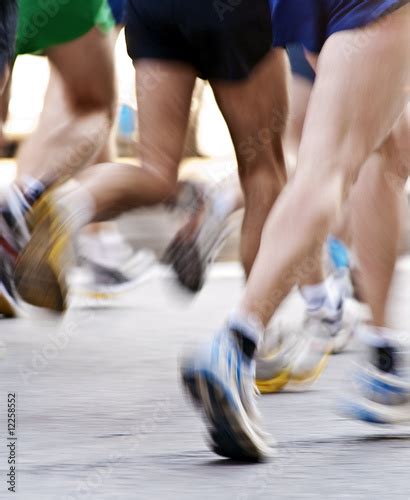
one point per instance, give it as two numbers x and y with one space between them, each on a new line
285 377
38 274
275 384
228 439
188 263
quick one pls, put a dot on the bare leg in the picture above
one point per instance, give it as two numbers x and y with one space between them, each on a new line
72 133
164 97
256 116
355 116
4 78
378 196
300 95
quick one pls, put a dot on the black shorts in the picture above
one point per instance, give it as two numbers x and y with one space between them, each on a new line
222 39
8 28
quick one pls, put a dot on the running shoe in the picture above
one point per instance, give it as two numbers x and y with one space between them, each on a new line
14 230
301 360
220 382
332 320
382 389
303 352
108 281
197 244
42 265
14 234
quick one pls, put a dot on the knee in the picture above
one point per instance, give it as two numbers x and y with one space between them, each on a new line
395 152
100 98
398 145
263 163
262 182
319 197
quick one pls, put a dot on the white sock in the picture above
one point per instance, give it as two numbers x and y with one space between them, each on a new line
315 295
248 326
32 188
76 203
327 294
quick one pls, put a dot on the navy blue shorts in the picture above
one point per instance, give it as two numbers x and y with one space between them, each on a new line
312 22
220 39
8 28
298 62
118 8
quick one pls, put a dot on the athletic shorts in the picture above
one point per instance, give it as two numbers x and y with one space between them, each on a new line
312 22
220 40
8 27
47 23
298 62
118 9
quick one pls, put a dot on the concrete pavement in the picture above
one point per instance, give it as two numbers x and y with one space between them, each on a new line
101 414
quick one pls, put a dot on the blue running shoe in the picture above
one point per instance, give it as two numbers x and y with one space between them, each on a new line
220 382
383 389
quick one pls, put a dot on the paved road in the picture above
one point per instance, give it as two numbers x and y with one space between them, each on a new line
101 414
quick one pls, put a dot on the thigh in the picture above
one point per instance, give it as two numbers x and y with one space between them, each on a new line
256 109
164 93
86 66
357 97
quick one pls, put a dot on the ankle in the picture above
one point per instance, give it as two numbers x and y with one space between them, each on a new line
248 331
314 295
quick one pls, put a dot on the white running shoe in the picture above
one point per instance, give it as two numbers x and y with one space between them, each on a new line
104 282
197 244
301 354
220 381
382 387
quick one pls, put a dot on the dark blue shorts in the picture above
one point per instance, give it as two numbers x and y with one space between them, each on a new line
8 28
118 8
298 62
312 22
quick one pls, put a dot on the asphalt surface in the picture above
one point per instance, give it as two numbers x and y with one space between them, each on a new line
101 414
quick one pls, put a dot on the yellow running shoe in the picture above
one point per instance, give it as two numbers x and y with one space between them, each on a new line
41 268
301 358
